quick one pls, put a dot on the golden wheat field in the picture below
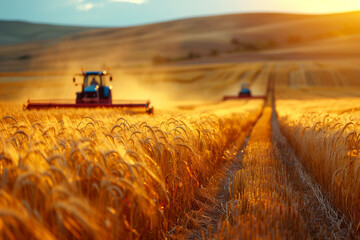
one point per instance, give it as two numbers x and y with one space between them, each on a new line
80 175
198 168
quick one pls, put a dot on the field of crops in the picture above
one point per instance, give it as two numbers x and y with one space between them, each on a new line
88 175
326 137
284 168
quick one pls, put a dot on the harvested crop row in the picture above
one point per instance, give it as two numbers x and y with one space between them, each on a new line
263 204
326 137
101 174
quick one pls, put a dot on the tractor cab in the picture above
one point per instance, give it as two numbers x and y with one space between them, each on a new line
245 90
94 88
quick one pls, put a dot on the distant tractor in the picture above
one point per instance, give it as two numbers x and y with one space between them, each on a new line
94 93
245 93
245 90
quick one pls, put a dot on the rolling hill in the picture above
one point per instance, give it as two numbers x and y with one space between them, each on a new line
15 32
225 38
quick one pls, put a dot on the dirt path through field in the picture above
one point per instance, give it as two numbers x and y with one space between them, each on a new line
267 164
219 188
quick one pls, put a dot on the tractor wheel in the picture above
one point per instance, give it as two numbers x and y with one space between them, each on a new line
150 110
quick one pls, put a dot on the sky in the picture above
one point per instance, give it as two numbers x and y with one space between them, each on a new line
137 12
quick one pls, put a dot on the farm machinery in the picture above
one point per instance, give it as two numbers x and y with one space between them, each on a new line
245 93
95 93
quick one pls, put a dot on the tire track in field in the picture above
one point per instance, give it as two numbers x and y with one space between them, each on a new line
263 205
322 220
318 217
221 191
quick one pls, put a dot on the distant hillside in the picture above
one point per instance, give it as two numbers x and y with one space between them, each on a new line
13 32
236 37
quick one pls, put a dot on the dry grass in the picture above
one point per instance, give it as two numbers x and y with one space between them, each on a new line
83 174
326 136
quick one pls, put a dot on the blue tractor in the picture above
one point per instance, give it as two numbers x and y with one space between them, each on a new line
94 88
95 93
244 94
245 90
